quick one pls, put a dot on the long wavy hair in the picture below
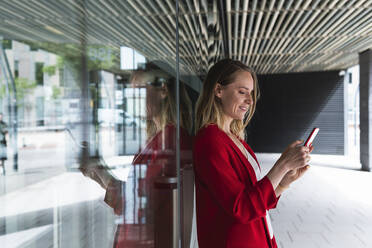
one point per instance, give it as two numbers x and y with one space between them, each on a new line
209 108
165 113
168 113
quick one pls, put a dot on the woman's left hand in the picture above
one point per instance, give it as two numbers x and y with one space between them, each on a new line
295 174
292 176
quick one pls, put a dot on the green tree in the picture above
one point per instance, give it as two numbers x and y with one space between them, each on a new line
57 92
23 86
50 70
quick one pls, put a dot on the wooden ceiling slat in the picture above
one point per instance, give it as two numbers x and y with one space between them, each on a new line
270 35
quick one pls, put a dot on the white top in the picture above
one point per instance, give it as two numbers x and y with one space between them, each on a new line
259 176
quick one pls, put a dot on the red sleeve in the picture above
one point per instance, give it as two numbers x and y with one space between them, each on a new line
254 156
214 169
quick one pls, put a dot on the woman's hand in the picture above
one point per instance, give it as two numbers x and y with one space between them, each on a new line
292 176
295 174
295 156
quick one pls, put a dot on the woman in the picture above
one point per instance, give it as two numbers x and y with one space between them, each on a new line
232 197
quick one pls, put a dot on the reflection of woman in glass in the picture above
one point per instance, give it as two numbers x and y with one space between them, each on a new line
157 156
161 119
159 152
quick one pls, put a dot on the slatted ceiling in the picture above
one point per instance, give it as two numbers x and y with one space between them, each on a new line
202 21
273 36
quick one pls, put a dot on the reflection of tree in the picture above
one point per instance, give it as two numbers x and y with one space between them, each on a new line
56 92
24 88
98 57
50 69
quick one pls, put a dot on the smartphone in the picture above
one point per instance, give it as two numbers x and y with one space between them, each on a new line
311 137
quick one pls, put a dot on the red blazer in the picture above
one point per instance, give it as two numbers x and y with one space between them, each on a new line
230 203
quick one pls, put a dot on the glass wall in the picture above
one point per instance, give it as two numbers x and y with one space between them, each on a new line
96 121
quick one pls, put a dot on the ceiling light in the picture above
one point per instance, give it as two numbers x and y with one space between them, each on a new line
54 30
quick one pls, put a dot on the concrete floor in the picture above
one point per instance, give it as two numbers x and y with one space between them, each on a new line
328 207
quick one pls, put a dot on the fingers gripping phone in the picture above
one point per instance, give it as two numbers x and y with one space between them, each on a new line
311 137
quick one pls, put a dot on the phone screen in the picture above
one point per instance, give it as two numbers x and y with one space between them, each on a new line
311 137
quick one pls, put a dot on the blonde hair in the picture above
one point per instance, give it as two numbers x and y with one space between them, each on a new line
167 114
208 107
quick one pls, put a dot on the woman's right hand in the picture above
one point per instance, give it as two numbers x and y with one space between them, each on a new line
295 156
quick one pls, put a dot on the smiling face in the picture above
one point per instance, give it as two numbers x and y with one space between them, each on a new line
236 97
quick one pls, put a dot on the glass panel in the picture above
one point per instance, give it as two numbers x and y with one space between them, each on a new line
89 103
200 39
